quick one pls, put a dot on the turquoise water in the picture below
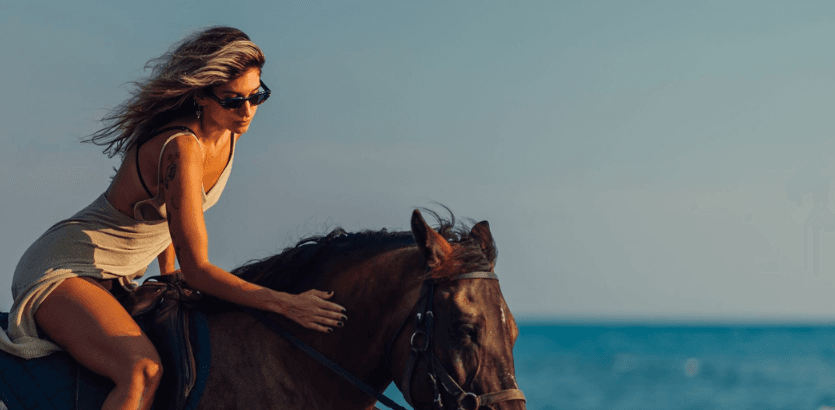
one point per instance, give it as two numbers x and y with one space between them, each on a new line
689 367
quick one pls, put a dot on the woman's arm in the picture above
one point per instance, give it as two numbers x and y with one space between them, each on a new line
182 181
167 261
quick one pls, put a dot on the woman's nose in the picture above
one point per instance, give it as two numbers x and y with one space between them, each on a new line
248 109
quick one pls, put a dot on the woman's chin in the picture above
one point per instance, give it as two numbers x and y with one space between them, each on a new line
239 129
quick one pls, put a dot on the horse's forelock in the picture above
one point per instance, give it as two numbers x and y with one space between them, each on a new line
466 256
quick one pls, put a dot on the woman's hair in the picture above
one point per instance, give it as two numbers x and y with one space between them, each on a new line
206 58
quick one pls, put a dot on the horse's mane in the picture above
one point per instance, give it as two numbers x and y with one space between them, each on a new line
292 269
289 270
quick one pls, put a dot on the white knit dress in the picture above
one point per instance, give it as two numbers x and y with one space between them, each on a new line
98 242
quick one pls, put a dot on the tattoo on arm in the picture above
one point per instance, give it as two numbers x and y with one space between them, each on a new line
171 172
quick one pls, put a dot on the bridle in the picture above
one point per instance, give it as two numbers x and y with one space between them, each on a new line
440 378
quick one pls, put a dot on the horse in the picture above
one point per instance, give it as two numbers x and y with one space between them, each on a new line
425 312
393 285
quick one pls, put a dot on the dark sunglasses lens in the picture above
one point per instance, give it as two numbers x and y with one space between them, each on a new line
259 98
233 102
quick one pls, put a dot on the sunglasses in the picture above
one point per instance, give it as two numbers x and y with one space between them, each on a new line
236 102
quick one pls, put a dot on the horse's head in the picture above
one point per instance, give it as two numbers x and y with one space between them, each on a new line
463 333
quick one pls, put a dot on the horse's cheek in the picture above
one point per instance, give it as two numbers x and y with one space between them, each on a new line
464 364
458 366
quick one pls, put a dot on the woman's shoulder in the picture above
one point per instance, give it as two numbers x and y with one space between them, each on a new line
161 135
173 138
170 129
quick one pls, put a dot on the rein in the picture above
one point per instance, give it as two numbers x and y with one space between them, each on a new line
437 374
275 327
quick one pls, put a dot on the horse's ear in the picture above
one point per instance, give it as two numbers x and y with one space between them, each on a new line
481 233
431 244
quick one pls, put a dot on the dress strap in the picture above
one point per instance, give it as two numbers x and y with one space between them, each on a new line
155 133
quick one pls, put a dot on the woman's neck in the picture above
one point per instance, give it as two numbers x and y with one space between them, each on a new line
211 134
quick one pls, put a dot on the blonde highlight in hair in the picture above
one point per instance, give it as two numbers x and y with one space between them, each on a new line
207 58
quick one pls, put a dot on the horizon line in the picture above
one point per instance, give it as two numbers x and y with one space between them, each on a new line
651 321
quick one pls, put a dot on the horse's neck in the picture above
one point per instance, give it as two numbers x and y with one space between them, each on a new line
371 284
378 294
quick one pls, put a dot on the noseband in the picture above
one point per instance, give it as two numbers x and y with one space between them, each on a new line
440 378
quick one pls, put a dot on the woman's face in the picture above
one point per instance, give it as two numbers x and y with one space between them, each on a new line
233 119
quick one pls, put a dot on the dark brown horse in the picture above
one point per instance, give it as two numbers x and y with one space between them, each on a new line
379 277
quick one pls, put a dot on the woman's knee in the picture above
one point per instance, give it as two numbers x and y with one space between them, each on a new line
90 324
144 370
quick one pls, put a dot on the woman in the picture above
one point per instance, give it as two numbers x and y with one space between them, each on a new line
177 137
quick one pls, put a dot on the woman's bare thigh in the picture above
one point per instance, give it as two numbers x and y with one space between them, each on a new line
87 321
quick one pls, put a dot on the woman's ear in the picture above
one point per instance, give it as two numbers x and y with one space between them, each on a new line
201 98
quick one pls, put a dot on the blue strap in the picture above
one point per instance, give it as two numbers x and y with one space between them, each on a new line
275 327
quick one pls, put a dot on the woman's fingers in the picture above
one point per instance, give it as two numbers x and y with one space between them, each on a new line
321 293
332 307
318 327
330 314
334 323
324 324
317 323
311 310
324 304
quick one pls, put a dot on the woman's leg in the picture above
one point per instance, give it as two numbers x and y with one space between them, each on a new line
84 319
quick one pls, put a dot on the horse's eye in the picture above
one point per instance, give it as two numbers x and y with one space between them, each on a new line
468 330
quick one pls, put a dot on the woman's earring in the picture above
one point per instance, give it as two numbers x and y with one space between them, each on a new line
199 109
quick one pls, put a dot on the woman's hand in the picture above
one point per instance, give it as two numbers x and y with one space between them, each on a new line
311 310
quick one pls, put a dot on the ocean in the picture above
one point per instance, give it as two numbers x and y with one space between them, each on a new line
591 366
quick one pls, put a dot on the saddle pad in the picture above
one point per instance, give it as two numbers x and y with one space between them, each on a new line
49 383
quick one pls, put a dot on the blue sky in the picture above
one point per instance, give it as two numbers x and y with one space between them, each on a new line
645 160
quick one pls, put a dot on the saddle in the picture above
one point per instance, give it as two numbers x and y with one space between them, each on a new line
161 307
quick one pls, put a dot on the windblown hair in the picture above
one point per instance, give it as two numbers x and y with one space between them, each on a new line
204 59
